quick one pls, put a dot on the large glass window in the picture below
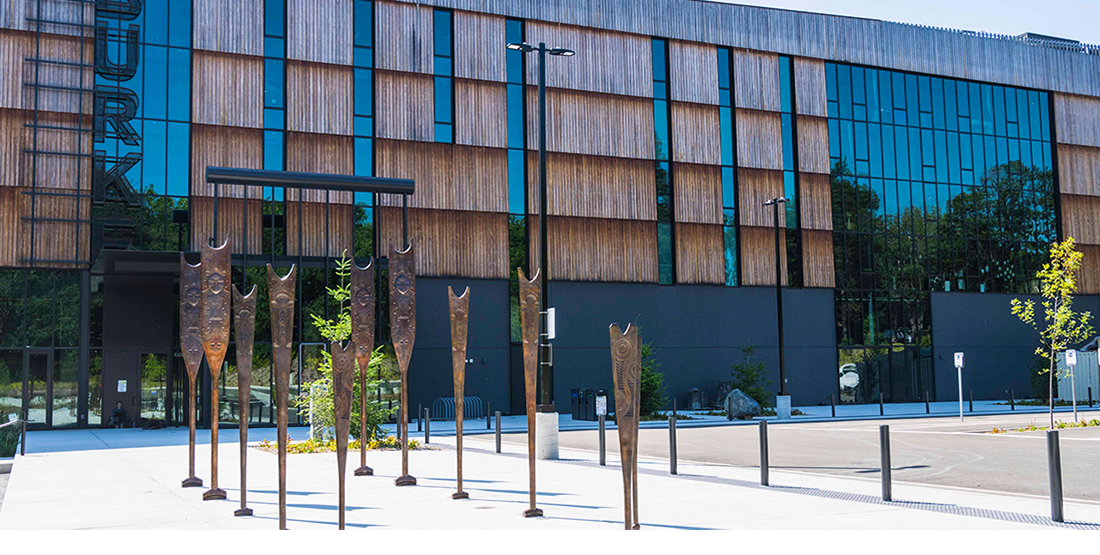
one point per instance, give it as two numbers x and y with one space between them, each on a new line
444 76
364 125
666 261
726 114
517 172
937 185
790 171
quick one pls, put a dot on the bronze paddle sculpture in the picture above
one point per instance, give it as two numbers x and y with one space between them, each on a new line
626 364
191 347
362 333
460 314
244 321
529 293
280 293
403 333
343 376
215 341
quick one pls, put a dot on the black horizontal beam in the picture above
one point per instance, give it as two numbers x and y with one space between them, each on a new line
304 180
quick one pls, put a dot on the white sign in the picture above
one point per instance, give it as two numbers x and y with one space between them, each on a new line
122 386
1071 357
958 360
601 406
551 323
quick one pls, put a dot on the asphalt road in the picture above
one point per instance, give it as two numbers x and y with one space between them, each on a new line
937 451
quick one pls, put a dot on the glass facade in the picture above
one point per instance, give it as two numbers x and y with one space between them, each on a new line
517 172
443 46
364 125
790 171
666 255
937 185
726 115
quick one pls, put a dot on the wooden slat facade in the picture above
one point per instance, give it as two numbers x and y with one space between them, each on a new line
696 134
809 87
320 30
694 69
697 193
11 226
449 242
229 147
481 113
595 124
816 201
756 80
311 152
479 51
700 256
758 257
227 89
813 144
759 140
319 221
1088 280
605 62
451 177
754 188
17 14
818 266
403 35
591 249
594 187
232 221
232 26
17 46
53 172
1081 218
1077 119
319 98
1079 169
404 106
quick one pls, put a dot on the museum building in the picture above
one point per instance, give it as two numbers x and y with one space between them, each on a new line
926 171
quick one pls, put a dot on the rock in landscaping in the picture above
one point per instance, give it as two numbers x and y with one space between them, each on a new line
739 405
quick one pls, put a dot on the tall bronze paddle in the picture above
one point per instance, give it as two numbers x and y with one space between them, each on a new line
280 293
191 346
460 314
343 376
403 333
626 373
362 333
529 292
244 323
215 341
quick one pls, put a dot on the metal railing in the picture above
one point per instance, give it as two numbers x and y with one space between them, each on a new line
1057 44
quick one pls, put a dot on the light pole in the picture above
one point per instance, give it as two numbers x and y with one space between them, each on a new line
546 367
774 203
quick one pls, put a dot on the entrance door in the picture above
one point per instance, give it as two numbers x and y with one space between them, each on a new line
154 386
38 387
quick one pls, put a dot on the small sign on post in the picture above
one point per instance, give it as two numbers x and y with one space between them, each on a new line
959 367
551 323
601 405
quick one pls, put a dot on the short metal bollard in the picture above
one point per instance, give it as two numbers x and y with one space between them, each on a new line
419 417
674 406
488 418
884 447
763 453
23 440
603 440
971 401
498 431
1013 399
672 445
1054 464
832 401
1090 397
927 405
427 426
881 412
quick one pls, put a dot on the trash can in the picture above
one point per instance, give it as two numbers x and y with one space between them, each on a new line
575 404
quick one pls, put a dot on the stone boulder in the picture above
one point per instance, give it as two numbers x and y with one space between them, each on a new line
739 405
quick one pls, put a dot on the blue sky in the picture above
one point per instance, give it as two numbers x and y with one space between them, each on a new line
1072 19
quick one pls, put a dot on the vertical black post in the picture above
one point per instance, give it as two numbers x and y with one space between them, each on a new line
881 412
1054 465
884 448
673 405
404 219
779 298
672 445
546 369
1090 397
927 406
498 431
488 419
763 453
419 417
832 401
1013 399
971 400
603 440
427 425
23 438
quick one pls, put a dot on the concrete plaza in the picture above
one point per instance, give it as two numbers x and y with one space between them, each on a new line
130 479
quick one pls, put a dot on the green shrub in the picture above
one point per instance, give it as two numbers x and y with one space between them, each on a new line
653 383
748 376
9 439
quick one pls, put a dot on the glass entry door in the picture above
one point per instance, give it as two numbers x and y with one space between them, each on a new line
38 387
154 386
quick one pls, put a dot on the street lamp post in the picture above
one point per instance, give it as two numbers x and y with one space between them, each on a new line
546 366
774 203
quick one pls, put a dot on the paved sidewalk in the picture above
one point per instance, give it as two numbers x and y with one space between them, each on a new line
138 488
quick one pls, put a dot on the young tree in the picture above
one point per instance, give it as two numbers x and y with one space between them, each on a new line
1059 327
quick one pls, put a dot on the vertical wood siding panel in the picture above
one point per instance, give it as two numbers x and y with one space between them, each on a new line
594 187
53 172
233 26
403 35
809 87
756 80
404 106
817 259
758 257
232 221
1079 170
590 249
1077 119
452 177
1081 218
227 89
754 187
813 144
696 134
17 14
17 46
450 243
310 152
596 124
319 98
698 193
816 201
605 62
694 69
10 226
320 30
479 46
700 256
228 147
759 140
1088 281
481 113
